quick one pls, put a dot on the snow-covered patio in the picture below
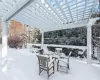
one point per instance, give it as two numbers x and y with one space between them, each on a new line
48 15
23 65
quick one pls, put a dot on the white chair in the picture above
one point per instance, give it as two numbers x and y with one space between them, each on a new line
81 54
58 51
41 51
63 63
32 50
57 54
45 64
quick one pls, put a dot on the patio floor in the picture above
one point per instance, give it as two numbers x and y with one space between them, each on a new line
23 65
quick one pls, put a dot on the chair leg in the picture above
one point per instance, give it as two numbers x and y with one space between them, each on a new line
39 71
57 65
68 66
53 68
48 72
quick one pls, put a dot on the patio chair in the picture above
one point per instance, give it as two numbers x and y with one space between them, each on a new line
45 64
33 50
57 54
41 51
81 54
58 51
63 64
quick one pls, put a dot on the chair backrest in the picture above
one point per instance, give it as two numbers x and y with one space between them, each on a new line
43 60
69 54
58 51
41 51
82 52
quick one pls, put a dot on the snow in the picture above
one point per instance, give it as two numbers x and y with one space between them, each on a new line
0 48
23 65
0 52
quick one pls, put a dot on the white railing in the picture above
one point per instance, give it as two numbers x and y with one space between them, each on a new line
62 46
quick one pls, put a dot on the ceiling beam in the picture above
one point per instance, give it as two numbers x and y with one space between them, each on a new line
19 10
69 9
57 20
77 9
24 21
44 19
68 26
29 18
62 11
84 9
38 18
30 23
51 6
92 10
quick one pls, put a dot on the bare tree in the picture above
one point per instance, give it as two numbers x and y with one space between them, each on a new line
16 35
36 35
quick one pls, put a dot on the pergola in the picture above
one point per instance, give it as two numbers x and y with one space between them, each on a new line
48 15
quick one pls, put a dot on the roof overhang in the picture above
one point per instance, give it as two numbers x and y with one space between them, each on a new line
48 14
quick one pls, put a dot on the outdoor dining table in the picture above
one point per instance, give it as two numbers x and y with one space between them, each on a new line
49 53
55 57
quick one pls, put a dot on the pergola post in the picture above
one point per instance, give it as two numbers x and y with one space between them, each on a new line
89 42
42 42
4 42
89 39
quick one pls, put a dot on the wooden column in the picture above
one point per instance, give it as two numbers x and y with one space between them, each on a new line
89 39
42 42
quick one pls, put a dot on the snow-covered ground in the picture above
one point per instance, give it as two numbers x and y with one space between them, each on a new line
0 48
0 52
23 65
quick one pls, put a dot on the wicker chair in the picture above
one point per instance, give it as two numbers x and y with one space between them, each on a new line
45 64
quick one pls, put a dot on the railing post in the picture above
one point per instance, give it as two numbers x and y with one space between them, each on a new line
42 40
89 39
